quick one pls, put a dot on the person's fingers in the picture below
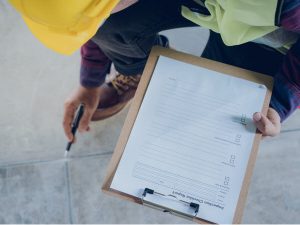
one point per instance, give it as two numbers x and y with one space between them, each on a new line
69 111
267 126
87 96
85 120
263 124
274 118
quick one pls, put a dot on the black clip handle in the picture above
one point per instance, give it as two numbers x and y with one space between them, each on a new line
191 204
195 206
148 191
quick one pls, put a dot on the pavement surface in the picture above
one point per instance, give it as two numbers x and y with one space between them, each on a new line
37 185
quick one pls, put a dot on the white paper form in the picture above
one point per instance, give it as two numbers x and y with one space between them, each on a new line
192 138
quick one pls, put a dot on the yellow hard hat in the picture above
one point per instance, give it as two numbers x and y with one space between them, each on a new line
64 25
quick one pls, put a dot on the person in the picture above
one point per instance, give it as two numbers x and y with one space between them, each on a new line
262 36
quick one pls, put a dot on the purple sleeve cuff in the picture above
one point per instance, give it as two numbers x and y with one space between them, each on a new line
284 100
94 65
92 77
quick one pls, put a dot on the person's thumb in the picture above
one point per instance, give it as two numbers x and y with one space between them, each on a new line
85 121
264 124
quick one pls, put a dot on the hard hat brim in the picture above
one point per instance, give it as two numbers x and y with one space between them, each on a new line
65 38
61 42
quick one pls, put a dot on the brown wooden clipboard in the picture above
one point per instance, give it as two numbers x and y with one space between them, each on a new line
137 101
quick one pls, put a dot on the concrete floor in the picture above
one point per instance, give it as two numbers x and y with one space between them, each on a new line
38 186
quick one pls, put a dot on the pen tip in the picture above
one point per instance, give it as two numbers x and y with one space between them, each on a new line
66 154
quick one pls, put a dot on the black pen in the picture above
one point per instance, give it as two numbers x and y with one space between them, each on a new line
75 125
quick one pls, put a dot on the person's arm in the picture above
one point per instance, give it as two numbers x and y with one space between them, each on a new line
286 90
94 67
286 94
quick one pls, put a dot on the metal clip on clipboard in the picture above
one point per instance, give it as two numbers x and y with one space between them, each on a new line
194 206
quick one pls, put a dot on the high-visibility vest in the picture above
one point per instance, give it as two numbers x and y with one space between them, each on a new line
241 21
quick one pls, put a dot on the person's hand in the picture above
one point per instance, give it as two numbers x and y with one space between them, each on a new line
87 96
268 125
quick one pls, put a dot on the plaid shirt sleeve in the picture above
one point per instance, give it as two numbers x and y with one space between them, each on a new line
286 91
94 65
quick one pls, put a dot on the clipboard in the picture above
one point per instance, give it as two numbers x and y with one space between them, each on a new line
134 110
